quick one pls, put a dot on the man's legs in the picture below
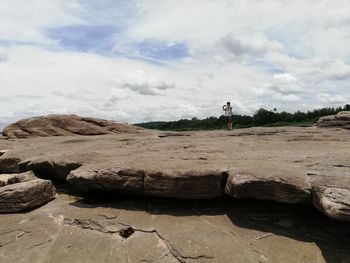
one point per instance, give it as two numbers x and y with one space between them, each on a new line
229 122
229 125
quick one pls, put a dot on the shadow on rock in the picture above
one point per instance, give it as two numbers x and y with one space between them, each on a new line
298 222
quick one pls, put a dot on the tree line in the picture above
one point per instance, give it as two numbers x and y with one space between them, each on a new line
261 117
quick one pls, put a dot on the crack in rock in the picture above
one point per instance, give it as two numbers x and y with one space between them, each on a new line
126 231
20 234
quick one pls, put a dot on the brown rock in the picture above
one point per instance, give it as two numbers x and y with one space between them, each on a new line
60 125
6 179
47 169
185 185
334 202
120 180
286 190
341 120
9 165
25 195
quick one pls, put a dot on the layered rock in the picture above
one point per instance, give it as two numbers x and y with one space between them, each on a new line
333 201
129 181
246 185
6 179
48 169
61 125
341 120
24 196
186 185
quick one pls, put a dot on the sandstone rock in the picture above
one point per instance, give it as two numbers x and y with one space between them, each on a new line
25 195
60 125
120 180
334 202
6 179
341 120
186 185
9 165
246 185
47 169
343 115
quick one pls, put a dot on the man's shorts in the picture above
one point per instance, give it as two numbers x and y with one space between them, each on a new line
228 118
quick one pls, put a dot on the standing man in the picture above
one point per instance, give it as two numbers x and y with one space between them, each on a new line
228 115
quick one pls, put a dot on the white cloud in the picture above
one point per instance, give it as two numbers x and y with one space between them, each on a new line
275 53
286 84
3 55
331 99
257 44
22 21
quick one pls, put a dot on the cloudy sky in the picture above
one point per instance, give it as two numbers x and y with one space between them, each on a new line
142 60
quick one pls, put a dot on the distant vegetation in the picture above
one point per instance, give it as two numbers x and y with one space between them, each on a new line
262 117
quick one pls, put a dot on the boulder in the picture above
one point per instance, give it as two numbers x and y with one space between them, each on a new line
185 184
341 120
333 201
25 195
6 179
244 185
60 125
121 180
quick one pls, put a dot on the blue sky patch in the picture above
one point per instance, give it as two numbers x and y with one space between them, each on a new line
99 38
162 50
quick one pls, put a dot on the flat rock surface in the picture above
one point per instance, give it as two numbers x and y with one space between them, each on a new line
130 229
193 164
73 229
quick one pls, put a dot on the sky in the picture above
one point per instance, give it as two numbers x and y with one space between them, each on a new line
149 60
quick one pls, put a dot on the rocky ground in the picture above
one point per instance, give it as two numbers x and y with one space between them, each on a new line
252 195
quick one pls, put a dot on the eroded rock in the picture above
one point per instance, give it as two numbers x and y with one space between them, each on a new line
341 120
121 180
48 169
9 165
333 201
61 125
25 195
186 185
6 179
244 185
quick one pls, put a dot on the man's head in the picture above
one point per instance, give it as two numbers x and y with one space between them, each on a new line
228 103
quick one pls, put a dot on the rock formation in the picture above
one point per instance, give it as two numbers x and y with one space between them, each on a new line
286 190
287 165
341 120
197 166
63 125
24 192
